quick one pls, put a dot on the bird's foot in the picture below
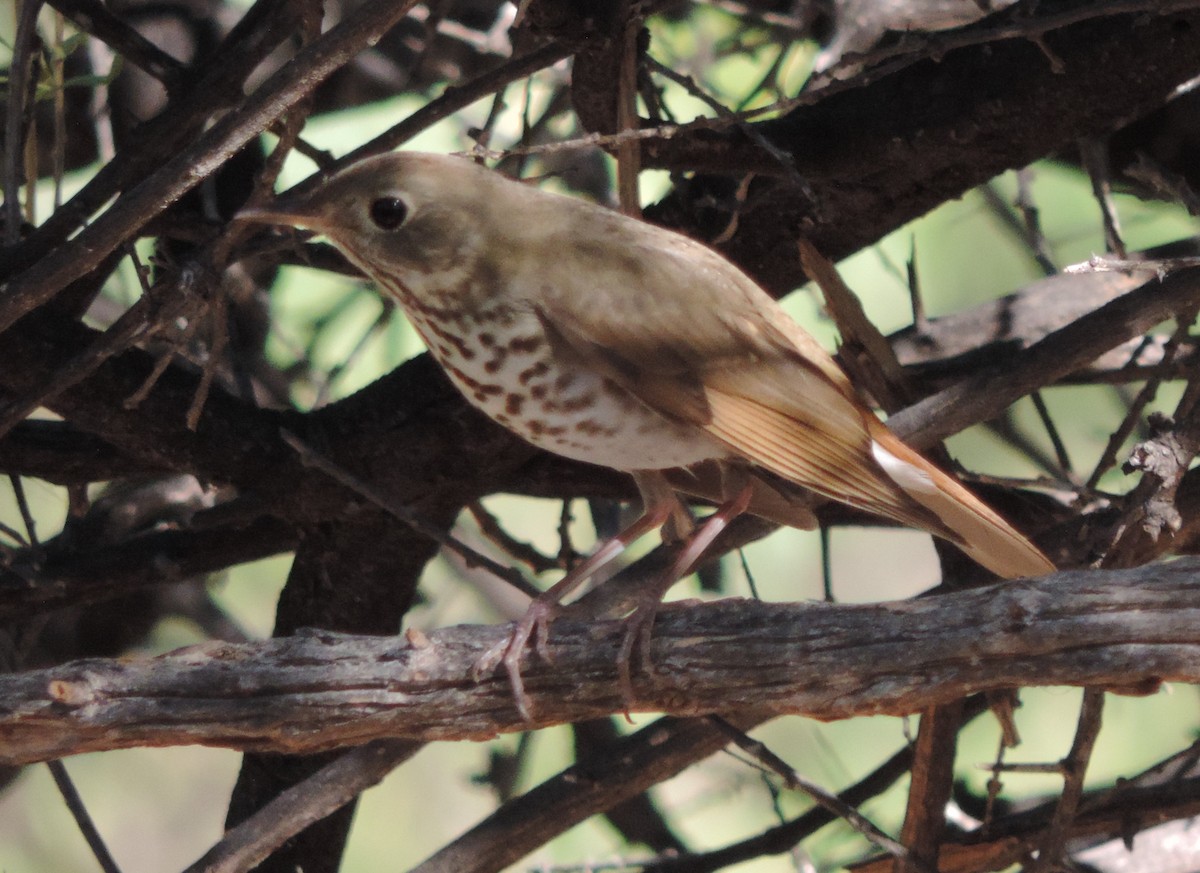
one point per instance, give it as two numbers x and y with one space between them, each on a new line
638 627
534 625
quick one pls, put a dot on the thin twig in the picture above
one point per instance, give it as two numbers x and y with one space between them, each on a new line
517 550
166 303
83 819
1060 448
19 72
311 457
454 99
1075 767
1144 396
178 175
831 802
1094 154
329 789
95 18
18 489
1029 229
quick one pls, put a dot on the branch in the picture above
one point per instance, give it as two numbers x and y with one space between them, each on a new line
329 789
315 691
875 156
180 174
1065 350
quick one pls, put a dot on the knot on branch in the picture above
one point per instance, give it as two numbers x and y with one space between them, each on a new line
1163 458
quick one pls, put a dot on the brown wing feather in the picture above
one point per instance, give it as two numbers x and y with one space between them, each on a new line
815 457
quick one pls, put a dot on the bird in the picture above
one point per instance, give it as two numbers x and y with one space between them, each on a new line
607 339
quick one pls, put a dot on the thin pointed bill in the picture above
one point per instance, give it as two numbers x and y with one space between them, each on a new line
282 213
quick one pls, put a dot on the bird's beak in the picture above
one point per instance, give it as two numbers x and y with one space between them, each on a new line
287 211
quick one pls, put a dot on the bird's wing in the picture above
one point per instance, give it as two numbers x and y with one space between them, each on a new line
714 350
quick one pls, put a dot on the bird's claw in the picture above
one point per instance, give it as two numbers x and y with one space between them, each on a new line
638 628
535 625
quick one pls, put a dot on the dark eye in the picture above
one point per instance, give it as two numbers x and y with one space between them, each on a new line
388 213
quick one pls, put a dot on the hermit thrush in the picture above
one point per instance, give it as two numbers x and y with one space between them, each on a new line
612 341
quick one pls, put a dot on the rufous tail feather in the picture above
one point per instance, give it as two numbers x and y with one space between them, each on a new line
979 531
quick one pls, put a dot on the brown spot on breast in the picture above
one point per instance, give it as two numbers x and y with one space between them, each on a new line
537 392
537 428
496 361
564 380
467 381
513 403
453 339
592 428
575 404
541 368
486 339
524 345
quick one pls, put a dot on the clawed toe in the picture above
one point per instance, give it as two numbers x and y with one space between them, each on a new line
638 628
535 625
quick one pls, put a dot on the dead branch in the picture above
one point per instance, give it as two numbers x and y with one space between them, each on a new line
318 690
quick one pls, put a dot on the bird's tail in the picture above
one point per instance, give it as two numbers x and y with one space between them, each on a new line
975 528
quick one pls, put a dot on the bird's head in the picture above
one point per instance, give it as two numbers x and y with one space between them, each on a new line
419 220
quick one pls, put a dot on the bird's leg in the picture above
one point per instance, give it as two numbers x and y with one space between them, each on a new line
641 620
535 623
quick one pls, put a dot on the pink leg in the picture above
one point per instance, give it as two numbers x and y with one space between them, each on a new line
535 623
641 622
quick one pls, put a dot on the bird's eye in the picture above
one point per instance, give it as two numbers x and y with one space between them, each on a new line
388 213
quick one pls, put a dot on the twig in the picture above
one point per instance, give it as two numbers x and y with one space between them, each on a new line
287 87
163 304
18 489
18 90
932 782
784 836
1095 161
1146 394
1055 768
315 459
451 101
1054 356
1028 231
309 801
1060 448
518 551
1075 767
95 18
83 819
876 366
631 766
912 281
831 802
629 162
386 312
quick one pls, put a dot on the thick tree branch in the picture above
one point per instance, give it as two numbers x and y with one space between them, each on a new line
1127 629
876 156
